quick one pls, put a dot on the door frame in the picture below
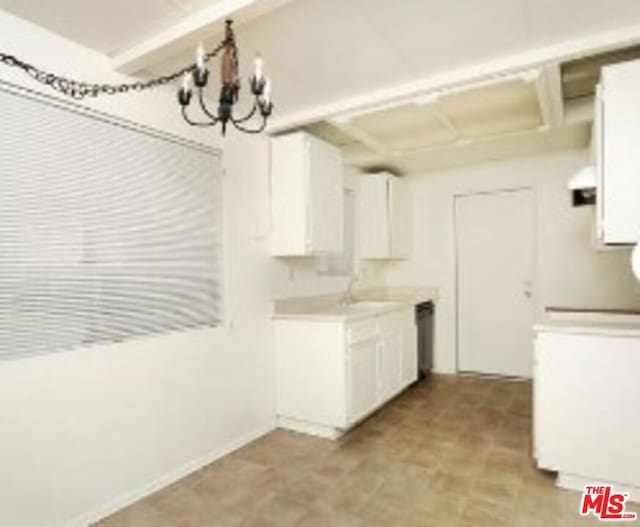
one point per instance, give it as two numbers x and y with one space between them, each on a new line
534 255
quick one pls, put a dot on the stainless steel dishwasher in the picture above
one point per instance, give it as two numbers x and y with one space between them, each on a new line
425 312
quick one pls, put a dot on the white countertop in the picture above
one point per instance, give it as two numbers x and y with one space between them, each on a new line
338 313
580 321
368 303
582 327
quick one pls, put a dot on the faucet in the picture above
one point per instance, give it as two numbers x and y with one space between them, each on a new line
348 297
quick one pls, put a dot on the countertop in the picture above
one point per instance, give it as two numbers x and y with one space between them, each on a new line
367 303
606 322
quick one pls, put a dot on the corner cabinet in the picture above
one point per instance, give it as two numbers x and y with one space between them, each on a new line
384 217
332 374
617 154
307 196
585 402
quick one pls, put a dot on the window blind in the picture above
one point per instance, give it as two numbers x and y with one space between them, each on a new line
108 231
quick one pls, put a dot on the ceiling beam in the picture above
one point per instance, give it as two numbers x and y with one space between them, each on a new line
506 65
548 86
191 30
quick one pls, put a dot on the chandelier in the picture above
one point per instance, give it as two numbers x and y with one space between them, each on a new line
193 76
229 88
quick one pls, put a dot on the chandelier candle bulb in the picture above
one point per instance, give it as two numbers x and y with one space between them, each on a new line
184 93
266 97
200 57
258 68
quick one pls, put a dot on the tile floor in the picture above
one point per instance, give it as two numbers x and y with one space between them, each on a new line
451 451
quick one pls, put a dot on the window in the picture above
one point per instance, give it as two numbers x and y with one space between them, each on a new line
107 231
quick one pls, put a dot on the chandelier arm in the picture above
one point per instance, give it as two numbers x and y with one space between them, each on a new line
249 130
195 123
203 106
249 115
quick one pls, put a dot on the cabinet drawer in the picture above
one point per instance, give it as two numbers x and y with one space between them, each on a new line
396 320
362 330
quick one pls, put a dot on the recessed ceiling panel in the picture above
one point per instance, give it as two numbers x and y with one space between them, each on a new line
406 127
496 109
330 133
499 148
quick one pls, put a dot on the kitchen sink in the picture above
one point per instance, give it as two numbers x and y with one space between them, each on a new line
370 305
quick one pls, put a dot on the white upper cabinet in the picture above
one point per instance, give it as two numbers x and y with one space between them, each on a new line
384 217
617 151
307 196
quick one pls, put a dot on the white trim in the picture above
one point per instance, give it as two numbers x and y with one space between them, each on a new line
306 427
506 65
119 503
197 26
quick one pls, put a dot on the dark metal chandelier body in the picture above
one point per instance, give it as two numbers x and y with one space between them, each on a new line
196 74
229 89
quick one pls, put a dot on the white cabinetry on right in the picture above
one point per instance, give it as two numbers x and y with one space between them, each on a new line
586 400
617 152
384 217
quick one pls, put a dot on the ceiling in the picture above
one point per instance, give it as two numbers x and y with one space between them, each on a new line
319 52
107 26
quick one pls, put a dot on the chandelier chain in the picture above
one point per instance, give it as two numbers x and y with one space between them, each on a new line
194 76
79 89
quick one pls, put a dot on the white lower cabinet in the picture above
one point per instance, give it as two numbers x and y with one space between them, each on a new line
332 374
408 371
389 359
586 399
362 373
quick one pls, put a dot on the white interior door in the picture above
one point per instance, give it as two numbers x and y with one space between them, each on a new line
495 239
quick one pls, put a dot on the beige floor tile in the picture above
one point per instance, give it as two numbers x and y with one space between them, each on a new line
451 451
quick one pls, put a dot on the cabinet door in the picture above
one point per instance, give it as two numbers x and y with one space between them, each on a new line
289 199
389 365
399 218
361 378
326 198
409 355
373 216
621 134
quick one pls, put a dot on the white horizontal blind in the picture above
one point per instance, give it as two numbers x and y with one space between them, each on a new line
107 232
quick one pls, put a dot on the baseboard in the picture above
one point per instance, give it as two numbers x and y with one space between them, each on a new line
305 427
167 479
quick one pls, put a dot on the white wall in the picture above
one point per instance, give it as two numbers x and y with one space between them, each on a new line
569 272
83 432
